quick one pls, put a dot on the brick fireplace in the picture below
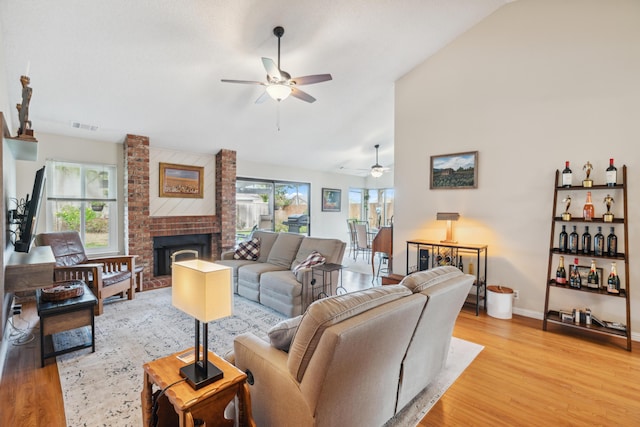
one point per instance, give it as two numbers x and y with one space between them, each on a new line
141 228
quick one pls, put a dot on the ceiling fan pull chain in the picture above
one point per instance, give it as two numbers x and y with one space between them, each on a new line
278 116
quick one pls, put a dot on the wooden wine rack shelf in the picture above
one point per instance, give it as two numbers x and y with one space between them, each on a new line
553 316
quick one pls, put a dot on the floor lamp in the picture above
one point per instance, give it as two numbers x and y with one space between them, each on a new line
203 290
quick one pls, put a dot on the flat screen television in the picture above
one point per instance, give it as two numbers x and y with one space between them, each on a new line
29 220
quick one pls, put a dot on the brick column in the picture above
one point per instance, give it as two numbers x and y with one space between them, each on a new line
226 198
137 220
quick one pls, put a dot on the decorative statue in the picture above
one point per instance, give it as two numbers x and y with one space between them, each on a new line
23 109
608 216
588 182
566 216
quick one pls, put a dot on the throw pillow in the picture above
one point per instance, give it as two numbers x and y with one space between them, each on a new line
282 334
314 258
249 250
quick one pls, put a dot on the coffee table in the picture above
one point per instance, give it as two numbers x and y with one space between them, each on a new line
65 315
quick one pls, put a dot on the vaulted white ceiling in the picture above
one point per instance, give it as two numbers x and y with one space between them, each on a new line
153 68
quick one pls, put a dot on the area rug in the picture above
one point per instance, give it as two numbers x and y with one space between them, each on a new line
103 388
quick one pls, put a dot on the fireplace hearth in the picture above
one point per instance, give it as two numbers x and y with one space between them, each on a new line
165 246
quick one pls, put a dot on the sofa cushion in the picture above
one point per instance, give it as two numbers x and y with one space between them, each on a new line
267 239
327 312
114 277
284 249
251 272
421 280
282 333
66 246
249 249
314 258
235 264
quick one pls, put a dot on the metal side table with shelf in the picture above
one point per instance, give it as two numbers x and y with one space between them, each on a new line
427 254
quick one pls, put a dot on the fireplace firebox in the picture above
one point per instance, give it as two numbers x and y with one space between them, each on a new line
165 246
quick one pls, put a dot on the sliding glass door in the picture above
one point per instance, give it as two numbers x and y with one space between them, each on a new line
271 205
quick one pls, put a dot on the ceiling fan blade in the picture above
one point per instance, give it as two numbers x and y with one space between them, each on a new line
309 80
262 97
246 82
302 95
272 68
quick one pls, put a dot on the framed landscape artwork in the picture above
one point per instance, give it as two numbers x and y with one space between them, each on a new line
454 171
331 200
181 181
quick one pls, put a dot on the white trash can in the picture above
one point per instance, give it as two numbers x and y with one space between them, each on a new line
499 301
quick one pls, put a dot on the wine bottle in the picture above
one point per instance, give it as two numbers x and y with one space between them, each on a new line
613 282
612 243
598 243
588 211
586 241
574 277
561 273
566 175
593 279
573 241
562 240
612 174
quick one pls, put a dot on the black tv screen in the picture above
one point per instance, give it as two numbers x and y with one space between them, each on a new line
27 228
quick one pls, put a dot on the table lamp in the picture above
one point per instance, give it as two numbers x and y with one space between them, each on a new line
448 216
203 290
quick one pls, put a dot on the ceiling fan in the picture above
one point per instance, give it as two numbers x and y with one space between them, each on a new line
279 84
377 170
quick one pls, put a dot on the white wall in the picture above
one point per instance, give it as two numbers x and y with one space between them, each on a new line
536 83
63 148
323 224
173 206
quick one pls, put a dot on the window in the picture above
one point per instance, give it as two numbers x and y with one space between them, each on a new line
271 205
82 197
355 203
372 205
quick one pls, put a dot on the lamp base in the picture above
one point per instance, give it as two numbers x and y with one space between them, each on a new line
197 378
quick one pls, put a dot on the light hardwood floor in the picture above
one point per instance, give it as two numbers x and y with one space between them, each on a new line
523 377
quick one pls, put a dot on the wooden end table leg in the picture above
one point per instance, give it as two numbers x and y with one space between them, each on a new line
146 400
244 407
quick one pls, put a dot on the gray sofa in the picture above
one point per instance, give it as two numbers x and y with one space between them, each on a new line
270 280
356 359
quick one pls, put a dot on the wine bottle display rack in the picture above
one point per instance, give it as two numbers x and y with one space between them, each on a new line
563 191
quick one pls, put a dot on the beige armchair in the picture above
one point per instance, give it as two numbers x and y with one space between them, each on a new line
106 276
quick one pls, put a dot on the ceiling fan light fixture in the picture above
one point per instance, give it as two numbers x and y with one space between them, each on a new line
377 171
279 91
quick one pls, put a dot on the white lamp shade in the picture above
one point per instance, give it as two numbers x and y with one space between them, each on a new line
202 289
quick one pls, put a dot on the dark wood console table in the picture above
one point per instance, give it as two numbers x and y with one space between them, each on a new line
59 316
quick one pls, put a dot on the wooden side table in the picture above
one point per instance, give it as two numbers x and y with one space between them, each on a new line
181 405
392 279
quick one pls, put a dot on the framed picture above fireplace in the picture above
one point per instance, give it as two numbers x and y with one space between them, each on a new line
181 181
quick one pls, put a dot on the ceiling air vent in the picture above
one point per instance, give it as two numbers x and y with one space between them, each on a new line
83 126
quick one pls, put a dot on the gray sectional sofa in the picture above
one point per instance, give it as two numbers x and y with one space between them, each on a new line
355 359
270 279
